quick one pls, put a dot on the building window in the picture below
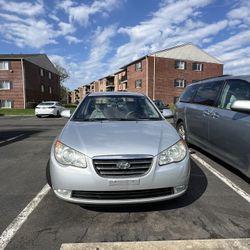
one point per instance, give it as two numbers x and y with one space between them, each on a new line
6 104
197 66
41 72
42 88
50 90
138 83
4 84
179 83
50 75
138 66
4 65
180 65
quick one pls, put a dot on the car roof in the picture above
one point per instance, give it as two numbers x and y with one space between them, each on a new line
220 78
115 94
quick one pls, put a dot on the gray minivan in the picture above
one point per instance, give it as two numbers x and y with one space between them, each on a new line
214 115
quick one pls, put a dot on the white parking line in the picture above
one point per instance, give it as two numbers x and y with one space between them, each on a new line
11 139
16 224
228 182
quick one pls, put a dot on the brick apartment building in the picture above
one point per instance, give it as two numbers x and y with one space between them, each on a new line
162 75
26 80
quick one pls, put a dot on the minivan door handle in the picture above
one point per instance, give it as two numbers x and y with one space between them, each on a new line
215 115
206 113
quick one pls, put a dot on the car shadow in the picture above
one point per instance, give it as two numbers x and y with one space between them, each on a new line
11 136
197 186
222 163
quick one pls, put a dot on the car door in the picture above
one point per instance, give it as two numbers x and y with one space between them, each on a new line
229 131
199 111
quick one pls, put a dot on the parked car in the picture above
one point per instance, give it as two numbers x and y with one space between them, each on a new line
215 115
117 148
160 105
48 108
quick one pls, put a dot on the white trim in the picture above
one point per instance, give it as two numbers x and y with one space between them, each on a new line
17 223
223 178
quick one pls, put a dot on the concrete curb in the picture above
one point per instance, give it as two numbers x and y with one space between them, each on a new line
215 244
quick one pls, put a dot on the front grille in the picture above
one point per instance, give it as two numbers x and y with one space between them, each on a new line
120 195
110 167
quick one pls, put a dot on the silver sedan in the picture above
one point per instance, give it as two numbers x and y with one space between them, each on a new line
117 148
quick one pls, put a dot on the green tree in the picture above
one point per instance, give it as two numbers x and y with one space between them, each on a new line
63 75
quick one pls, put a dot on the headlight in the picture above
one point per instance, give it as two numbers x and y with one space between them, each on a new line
175 153
68 156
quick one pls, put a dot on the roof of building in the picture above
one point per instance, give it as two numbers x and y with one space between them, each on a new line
187 51
40 60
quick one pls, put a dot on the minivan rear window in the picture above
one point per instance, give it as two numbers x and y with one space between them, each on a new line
207 93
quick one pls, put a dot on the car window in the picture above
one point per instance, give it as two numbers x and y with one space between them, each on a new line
234 90
47 103
116 108
189 93
207 93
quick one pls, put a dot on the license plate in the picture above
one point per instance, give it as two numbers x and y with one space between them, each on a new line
124 182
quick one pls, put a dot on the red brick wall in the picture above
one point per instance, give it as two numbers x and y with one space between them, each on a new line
15 76
33 82
166 74
134 75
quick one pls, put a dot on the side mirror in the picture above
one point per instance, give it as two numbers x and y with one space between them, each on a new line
241 106
167 113
66 113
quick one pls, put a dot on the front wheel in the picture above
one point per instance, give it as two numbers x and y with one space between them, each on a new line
182 131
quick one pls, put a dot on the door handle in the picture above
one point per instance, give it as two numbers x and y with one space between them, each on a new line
206 113
215 115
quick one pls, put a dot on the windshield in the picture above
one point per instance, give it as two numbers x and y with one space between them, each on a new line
120 108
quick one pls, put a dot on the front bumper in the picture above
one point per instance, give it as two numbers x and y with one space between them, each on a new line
66 181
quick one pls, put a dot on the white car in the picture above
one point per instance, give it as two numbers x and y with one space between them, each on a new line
49 108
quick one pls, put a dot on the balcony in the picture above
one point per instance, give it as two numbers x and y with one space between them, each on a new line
124 79
110 84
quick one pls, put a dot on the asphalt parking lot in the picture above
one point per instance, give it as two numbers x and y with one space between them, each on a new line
210 209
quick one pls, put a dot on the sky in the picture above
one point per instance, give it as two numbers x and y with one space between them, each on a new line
94 38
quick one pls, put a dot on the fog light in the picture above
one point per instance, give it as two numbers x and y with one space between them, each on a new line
63 192
180 188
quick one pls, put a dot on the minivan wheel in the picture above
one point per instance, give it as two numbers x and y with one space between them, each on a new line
182 131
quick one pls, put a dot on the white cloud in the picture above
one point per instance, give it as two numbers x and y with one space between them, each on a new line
234 52
66 28
27 32
165 28
241 12
82 12
93 68
22 8
72 39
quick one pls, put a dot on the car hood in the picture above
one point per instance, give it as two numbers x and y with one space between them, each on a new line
119 138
